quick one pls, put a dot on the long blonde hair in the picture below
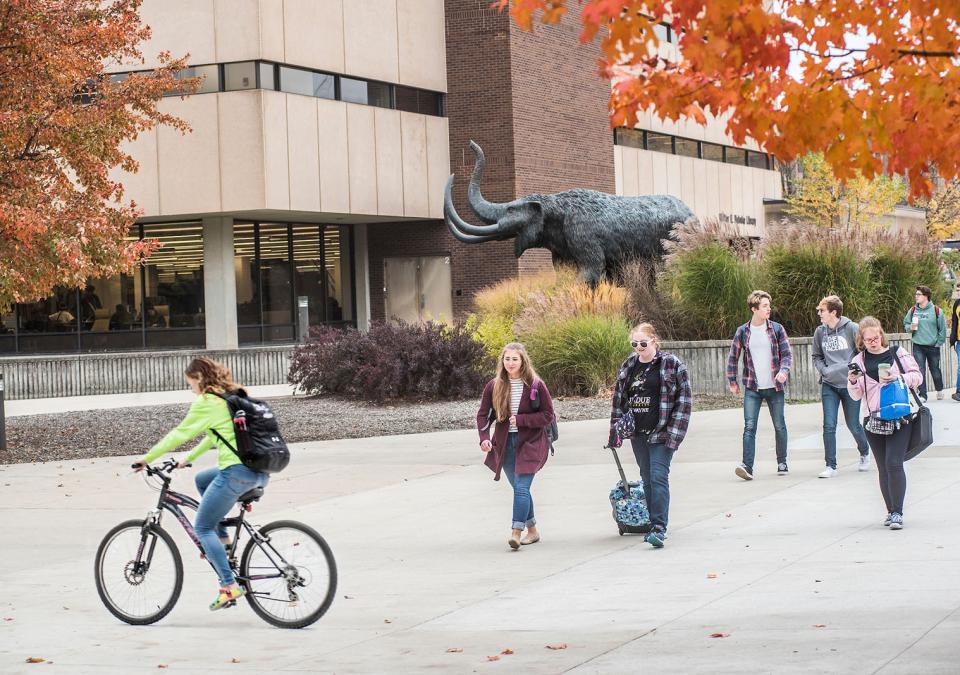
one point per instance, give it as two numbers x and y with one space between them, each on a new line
501 385
214 377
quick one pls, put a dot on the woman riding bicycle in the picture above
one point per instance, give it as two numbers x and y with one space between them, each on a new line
220 487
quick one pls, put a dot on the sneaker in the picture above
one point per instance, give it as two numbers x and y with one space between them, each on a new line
896 521
227 597
744 472
923 399
829 472
955 396
939 395
888 520
782 469
655 538
864 463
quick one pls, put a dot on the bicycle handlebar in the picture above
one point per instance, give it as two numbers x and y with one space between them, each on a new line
166 468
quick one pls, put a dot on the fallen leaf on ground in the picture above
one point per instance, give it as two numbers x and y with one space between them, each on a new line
8 618
454 650
729 515
162 665
348 597
507 652
719 635
819 625
35 659
387 621
493 658
234 660
558 645
711 576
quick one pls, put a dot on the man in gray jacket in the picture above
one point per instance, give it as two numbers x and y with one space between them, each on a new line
834 345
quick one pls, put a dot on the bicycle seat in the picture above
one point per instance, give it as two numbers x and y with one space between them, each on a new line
250 495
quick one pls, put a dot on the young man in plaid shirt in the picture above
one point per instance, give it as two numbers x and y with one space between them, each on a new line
767 361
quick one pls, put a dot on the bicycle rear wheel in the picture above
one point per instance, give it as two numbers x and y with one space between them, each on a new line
290 578
138 571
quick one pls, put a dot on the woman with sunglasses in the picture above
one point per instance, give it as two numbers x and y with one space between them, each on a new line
652 388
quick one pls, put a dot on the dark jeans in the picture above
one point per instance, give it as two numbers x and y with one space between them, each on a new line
752 401
654 462
522 499
928 355
831 398
889 452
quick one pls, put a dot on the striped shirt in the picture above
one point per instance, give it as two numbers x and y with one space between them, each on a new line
516 393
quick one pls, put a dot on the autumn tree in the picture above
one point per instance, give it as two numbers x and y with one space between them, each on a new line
873 86
63 121
816 196
943 210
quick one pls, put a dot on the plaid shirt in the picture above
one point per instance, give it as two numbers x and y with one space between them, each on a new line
676 399
782 360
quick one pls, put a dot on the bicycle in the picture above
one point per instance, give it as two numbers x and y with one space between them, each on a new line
285 567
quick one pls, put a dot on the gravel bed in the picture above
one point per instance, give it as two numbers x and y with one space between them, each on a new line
128 431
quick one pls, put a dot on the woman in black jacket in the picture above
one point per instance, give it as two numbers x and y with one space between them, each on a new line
954 342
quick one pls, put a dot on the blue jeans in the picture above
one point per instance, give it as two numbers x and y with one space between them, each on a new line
830 398
219 491
522 499
752 401
654 462
928 355
956 348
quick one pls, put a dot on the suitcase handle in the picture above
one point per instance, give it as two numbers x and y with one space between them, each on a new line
623 476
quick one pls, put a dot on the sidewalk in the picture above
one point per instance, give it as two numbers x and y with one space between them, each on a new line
795 571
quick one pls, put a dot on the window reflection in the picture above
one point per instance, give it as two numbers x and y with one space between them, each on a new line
171 311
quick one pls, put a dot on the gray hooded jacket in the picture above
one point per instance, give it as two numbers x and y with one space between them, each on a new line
833 348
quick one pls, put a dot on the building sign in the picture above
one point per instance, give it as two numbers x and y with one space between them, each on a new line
736 219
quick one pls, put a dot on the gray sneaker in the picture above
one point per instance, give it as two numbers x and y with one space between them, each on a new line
939 395
896 521
888 520
864 464
744 472
782 469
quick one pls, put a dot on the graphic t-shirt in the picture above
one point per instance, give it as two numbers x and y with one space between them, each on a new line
644 395
761 353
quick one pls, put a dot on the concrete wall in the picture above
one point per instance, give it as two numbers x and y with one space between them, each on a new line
711 189
252 150
398 41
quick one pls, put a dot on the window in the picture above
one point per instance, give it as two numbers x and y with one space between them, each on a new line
209 80
276 283
662 31
368 93
659 142
239 76
712 151
735 156
8 332
308 83
631 138
171 311
268 76
108 319
49 325
417 101
687 147
757 160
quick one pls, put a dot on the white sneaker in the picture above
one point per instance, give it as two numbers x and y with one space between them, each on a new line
864 464
939 395
827 473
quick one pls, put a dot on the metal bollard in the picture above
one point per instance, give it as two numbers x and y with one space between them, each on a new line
3 419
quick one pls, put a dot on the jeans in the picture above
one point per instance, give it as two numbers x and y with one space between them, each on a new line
522 500
956 348
654 462
830 398
889 452
751 413
928 355
219 490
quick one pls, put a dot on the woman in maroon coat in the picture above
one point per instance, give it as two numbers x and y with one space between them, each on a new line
522 408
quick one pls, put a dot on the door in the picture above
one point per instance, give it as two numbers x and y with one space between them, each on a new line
418 289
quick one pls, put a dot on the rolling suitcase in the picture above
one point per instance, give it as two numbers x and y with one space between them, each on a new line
629 506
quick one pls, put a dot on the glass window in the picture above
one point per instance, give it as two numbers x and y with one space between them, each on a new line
686 147
712 151
237 76
337 274
209 79
107 315
8 329
735 156
659 142
368 93
758 160
276 282
268 78
308 259
417 100
245 272
172 308
631 138
297 81
51 324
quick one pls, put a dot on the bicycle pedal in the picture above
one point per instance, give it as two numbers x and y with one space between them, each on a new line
232 603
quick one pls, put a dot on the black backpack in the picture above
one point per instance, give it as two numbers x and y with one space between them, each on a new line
553 433
259 444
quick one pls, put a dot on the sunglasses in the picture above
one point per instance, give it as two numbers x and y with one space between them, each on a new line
639 343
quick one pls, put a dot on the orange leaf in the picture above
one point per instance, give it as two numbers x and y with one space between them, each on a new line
493 658
711 576
719 635
35 659
507 652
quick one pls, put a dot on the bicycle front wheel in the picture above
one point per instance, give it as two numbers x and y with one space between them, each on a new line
138 572
290 576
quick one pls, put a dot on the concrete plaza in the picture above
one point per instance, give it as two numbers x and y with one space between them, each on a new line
797 574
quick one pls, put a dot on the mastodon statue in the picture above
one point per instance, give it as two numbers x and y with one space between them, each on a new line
595 231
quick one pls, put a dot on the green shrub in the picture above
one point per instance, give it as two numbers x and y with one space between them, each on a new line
803 265
572 299
897 266
493 332
579 355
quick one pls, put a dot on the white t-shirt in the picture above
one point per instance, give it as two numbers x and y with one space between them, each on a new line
761 352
